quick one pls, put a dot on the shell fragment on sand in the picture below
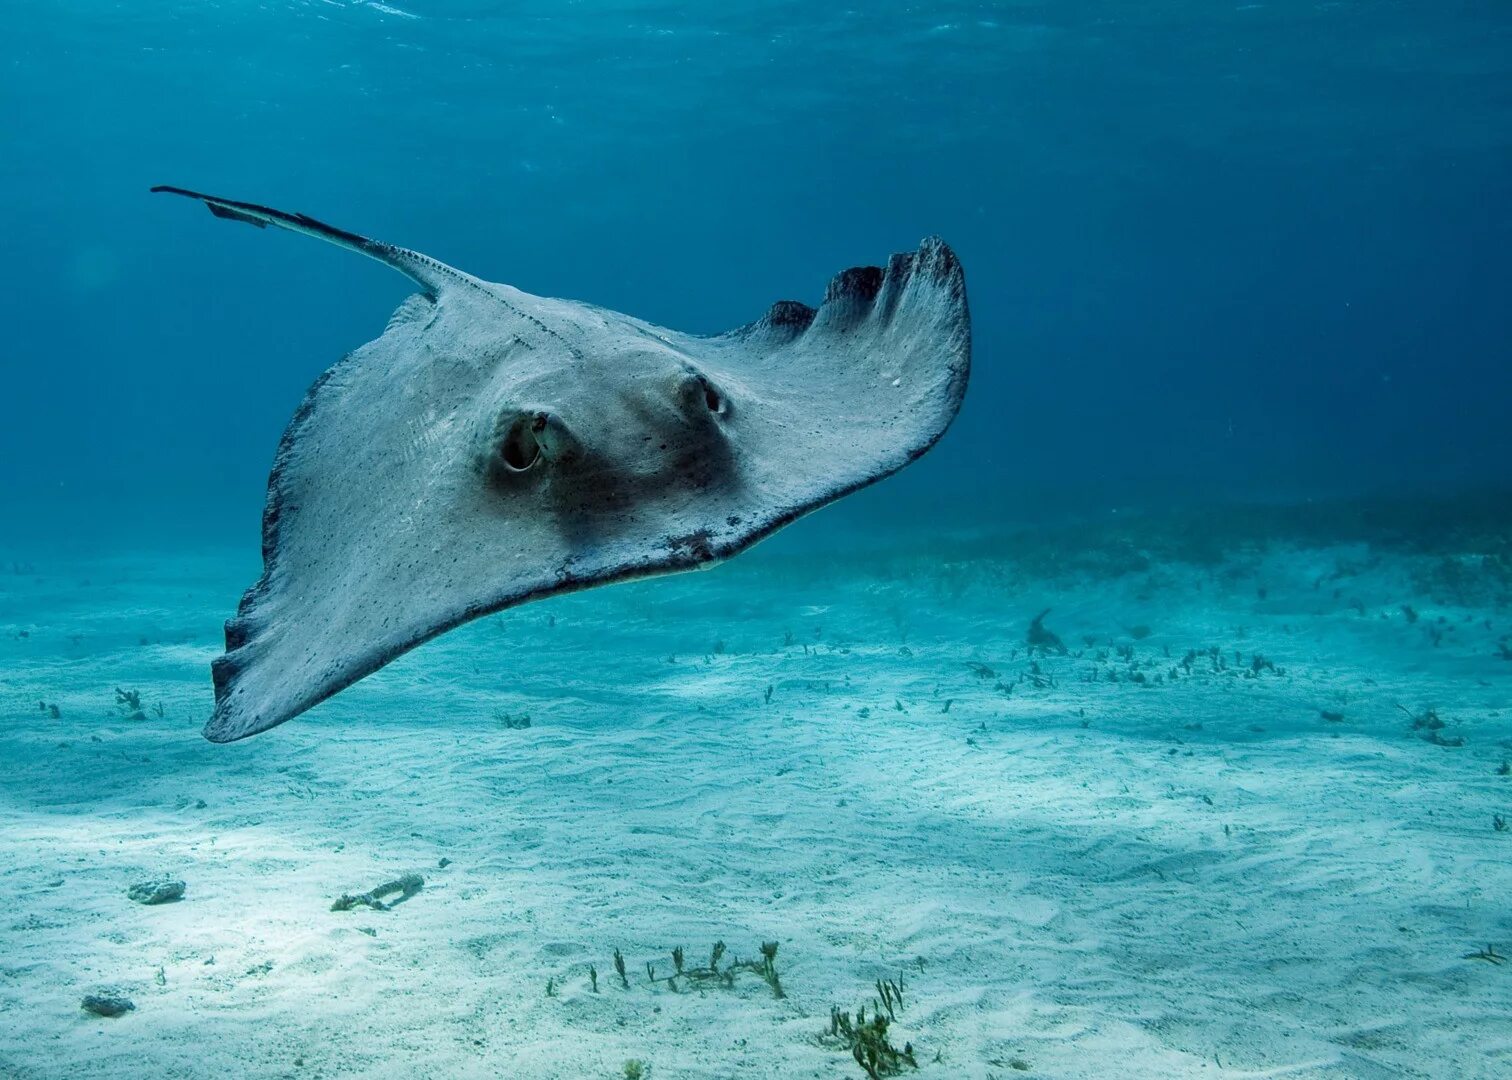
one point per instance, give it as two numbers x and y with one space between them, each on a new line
107 1004
159 891
406 885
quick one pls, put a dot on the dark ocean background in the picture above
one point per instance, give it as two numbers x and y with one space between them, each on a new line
1214 251
1155 725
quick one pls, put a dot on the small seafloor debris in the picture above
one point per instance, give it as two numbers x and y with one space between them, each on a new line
1041 638
766 967
1488 954
157 891
406 886
108 1004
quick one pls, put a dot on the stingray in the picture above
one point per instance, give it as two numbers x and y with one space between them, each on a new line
491 448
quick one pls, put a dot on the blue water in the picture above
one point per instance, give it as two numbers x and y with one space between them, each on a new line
1236 435
1252 249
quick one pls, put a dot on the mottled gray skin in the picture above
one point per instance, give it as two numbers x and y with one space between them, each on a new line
494 447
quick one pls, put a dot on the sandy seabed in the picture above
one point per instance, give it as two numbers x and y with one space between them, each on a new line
1076 873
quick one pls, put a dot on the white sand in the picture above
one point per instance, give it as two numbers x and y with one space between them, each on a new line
1204 879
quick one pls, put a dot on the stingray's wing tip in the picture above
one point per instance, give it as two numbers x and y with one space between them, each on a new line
217 731
937 259
229 724
234 718
225 724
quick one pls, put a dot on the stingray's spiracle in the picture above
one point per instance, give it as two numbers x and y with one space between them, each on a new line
701 397
521 449
529 439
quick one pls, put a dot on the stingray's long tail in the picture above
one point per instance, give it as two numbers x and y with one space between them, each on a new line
429 274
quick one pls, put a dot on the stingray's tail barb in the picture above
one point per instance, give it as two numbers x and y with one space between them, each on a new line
429 274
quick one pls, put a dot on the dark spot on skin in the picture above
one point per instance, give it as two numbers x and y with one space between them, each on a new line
695 544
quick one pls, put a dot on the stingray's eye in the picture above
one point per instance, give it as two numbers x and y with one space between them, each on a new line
699 395
520 448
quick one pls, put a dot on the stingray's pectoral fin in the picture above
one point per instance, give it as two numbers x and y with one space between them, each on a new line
429 274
